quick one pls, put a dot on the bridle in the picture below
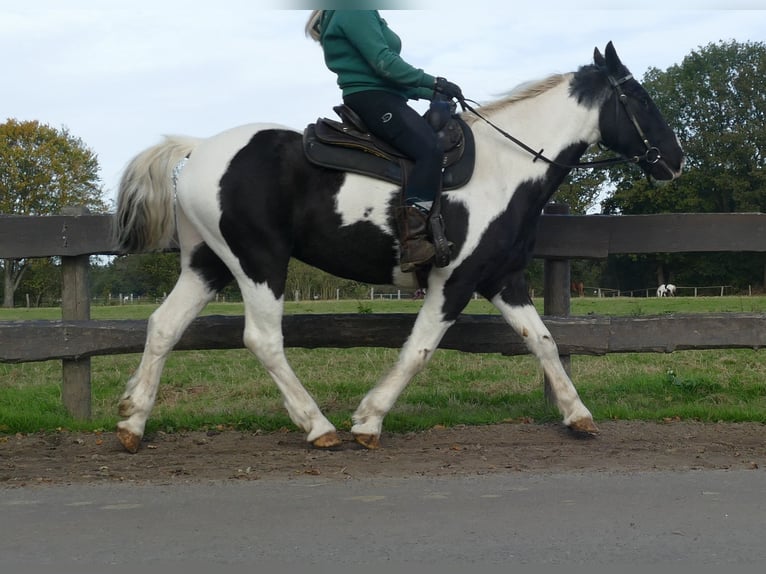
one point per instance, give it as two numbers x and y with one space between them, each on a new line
651 156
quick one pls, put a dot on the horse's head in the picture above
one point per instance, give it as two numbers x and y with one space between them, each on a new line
631 124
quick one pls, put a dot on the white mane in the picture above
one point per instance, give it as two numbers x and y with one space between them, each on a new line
523 91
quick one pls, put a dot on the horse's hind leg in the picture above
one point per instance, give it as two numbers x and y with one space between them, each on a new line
526 321
166 325
263 336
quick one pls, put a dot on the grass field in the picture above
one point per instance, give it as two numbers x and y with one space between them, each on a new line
616 306
229 388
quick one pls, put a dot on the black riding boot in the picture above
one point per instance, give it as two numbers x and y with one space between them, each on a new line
415 248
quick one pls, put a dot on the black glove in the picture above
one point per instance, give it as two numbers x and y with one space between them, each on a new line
448 88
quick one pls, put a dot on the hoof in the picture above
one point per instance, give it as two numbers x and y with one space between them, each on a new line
130 441
327 440
371 441
584 426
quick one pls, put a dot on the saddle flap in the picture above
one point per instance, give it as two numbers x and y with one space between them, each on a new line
333 132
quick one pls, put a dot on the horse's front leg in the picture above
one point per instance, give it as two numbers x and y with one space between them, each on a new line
526 321
426 334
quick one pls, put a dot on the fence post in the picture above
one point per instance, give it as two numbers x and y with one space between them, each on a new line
75 305
556 285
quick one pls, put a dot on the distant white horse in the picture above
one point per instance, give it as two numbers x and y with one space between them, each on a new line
668 290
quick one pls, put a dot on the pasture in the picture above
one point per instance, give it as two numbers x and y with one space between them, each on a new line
229 388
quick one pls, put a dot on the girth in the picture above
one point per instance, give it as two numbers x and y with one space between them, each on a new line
348 146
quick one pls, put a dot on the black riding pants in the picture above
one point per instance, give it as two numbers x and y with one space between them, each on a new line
389 117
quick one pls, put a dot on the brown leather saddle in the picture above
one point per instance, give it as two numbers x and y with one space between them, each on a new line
348 146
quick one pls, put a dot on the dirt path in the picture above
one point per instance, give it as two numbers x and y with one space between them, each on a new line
61 458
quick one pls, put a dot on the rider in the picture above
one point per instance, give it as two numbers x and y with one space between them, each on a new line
376 83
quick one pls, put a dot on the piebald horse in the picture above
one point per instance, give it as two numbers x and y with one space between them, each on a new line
247 200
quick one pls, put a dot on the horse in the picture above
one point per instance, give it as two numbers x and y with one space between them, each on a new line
668 290
577 288
243 202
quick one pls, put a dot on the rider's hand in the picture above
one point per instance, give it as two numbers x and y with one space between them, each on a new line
443 86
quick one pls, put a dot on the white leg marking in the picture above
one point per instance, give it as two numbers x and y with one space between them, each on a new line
414 356
165 327
526 321
263 336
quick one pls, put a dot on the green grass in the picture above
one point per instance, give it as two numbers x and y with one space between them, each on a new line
617 306
202 389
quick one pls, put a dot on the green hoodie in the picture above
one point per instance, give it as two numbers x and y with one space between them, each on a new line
364 52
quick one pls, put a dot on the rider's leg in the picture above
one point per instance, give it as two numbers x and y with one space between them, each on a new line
389 117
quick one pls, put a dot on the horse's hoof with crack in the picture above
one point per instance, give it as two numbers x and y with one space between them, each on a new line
584 426
371 441
327 440
130 441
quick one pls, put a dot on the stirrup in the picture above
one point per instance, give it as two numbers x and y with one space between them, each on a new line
441 245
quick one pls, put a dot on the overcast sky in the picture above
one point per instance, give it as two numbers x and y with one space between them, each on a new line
121 75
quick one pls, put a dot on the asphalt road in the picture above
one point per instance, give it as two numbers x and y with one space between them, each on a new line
696 517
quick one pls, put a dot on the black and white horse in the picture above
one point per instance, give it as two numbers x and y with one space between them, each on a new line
668 290
247 200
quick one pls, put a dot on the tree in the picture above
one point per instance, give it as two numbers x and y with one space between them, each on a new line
309 282
582 187
142 274
715 102
42 282
42 170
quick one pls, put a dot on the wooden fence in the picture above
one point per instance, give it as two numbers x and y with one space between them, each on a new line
76 338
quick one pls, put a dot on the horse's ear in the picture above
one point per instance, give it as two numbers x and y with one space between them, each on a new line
612 59
598 59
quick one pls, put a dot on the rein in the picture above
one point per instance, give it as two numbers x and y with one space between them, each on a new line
652 154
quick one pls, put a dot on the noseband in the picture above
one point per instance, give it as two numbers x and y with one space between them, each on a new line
651 156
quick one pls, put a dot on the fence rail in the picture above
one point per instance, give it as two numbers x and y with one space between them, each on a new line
29 341
559 236
77 338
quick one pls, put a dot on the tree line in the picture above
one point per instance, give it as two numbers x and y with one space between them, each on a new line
713 99
151 276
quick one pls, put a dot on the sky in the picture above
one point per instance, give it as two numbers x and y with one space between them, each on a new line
119 76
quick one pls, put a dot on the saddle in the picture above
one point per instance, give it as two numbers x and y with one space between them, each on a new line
347 145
